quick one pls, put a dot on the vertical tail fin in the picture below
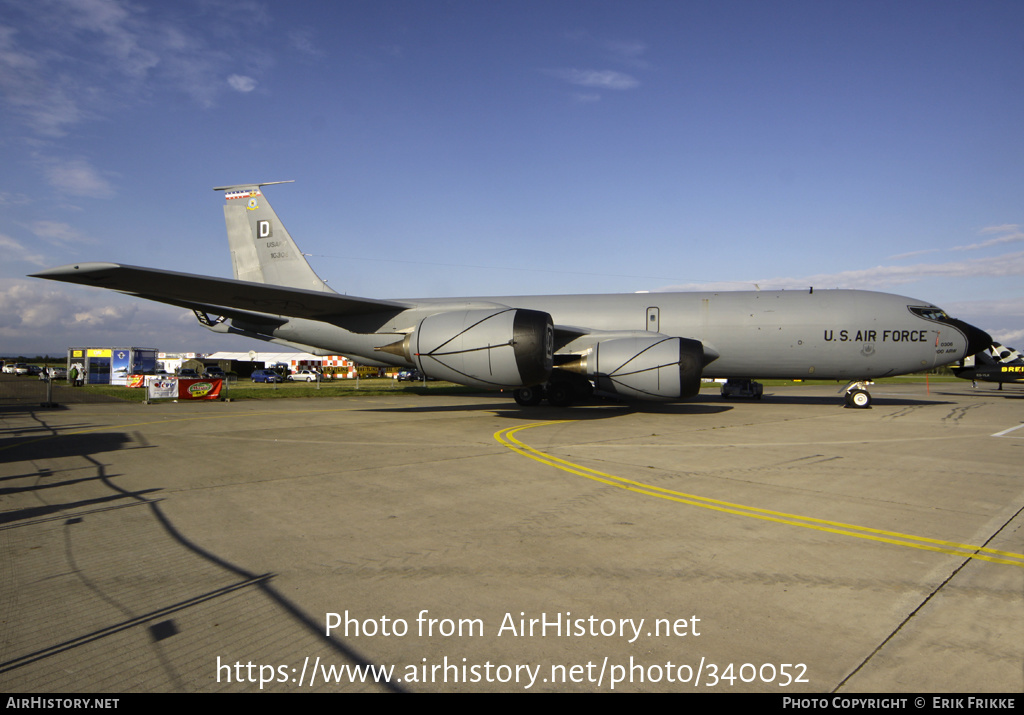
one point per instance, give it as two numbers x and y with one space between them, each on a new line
262 250
1005 354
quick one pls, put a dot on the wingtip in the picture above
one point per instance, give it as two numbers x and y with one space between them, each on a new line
73 269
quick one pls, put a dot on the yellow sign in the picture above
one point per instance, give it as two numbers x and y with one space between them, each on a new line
99 352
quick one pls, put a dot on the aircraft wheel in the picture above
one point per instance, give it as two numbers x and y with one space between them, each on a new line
529 396
858 398
560 394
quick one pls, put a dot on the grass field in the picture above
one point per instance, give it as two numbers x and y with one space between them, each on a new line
244 389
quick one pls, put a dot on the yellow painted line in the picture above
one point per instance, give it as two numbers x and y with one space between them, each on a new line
507 438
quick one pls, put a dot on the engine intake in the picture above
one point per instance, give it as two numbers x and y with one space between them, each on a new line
647 368
490 348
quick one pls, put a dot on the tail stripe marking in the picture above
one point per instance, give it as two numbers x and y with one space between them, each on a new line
242 194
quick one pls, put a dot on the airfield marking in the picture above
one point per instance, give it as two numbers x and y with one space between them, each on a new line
507 438
1007 431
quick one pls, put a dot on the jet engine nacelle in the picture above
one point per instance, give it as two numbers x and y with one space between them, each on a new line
491 348
653 367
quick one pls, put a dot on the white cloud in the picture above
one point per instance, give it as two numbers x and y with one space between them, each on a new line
10 199
598 79
121 34
24 304
302 40
914 254
883 277
14 251
1011 264
96 15
1010 338
1001 318
105 317
628 51
241 83
57 232
1008 307
66 61
1013 234
1006 227
39 97
41 317
78 178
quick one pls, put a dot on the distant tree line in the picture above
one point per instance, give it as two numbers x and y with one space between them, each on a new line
37 358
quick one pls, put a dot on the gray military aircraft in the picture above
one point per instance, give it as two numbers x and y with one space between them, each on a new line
640 346
997 364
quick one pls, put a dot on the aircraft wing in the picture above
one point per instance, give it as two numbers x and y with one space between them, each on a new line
206 292
566 334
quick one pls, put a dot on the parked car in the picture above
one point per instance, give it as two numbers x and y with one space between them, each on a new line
23 369
265 376
54 373
307 375
188 373
214 371
412 375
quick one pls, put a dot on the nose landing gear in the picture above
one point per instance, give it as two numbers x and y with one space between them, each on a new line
857 394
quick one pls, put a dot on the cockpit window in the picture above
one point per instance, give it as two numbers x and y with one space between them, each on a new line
928 312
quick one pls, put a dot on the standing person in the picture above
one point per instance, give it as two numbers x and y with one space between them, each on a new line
73 376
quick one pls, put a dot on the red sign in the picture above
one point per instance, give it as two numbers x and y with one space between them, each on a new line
199 389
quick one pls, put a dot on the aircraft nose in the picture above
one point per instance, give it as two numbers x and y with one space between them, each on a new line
977 339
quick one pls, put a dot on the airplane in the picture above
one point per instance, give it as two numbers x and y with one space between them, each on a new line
558 348
997 364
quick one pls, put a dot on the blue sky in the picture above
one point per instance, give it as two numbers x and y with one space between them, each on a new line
487 148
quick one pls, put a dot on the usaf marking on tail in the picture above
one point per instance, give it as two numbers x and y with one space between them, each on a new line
562 348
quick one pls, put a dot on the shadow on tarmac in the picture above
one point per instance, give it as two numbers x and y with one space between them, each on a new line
837 401
988 392
606 409
85 447
55 446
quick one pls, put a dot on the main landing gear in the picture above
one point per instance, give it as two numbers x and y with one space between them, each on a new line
742 387
857 394
529 396
559 392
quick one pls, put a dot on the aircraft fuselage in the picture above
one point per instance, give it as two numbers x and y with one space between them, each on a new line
825 334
